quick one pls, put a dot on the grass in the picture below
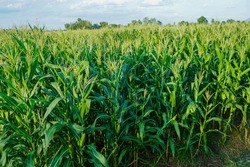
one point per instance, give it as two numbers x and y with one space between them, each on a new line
122 97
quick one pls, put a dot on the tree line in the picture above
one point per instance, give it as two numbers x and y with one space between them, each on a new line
85 24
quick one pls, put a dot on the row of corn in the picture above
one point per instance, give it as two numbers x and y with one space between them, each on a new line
121 97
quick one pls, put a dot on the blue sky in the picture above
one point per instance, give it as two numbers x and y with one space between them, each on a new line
53 14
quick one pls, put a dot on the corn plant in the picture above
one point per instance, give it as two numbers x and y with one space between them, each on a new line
121 97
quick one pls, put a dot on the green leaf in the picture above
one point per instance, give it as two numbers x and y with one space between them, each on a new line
173 99
85 106
244 72
3 158
37 84
10 85
51 107
121 155
33 68
147 112
76 129
203 90
58 89
30 159
172 146
141 130
49 133
217 119
56 161
10 101
190 109
98 158
204 137
67 163
89 88
20 43
176 127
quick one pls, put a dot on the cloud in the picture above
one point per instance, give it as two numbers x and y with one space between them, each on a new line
17 5
61 0
104 5
151 2
86 3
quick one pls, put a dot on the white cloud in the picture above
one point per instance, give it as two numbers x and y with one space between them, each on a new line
152 2
17 5
86 3
101 2
61 0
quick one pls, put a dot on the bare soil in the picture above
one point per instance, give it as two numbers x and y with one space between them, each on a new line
235 152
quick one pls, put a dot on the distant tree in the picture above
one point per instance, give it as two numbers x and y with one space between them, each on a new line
113 25
96 26
67 26
79 24
135 22
152 21
103 24
147 20
230 21
183 23
159 22
215 21
84 24
202 20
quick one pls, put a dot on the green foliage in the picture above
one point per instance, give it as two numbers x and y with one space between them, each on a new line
79 24
121 97
202 20
231 21
103 24
145 21
84 24
183 23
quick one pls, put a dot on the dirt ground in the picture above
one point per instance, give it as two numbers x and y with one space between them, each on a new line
234 153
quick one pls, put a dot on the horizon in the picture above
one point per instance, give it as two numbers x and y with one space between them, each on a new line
55 14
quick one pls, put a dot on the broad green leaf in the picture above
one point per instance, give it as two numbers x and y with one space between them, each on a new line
121 155
203 90
217 119
30 159
58 89
51 107
49 133
3 159
244 72
67 163
11 101
191 108
57 159
141 130
172 146
85 106
33 68
176 127
76 129
97 156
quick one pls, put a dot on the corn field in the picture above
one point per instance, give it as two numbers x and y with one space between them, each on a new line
129 96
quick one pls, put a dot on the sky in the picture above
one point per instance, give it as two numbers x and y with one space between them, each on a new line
53 14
